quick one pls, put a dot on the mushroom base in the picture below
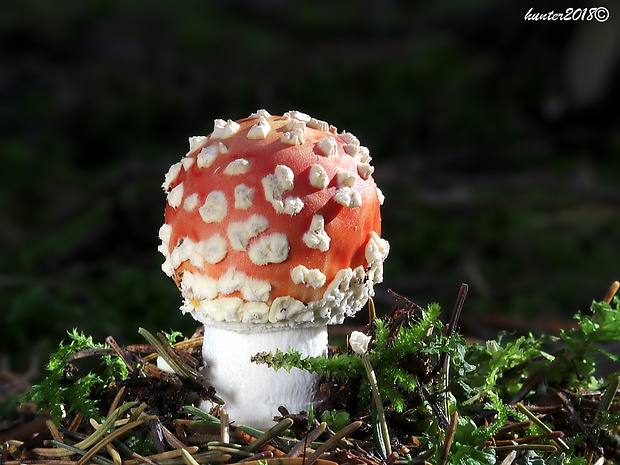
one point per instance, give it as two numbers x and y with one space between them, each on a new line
254 392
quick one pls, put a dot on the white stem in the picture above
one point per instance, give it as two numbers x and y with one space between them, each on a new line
253 392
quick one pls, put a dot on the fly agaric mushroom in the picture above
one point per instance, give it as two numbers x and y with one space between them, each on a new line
272 232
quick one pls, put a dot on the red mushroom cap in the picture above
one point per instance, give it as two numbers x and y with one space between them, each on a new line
273 219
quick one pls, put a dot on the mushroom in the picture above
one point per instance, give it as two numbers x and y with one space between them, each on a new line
272 232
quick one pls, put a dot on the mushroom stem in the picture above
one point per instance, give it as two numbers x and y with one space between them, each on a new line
254 392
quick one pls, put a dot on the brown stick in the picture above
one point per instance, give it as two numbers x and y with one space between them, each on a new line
611 292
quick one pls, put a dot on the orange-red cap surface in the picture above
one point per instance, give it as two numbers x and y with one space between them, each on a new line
274 220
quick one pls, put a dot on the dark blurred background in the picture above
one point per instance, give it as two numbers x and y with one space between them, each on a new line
496 141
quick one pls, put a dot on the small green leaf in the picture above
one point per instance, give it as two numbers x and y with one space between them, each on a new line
173 336
335 419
